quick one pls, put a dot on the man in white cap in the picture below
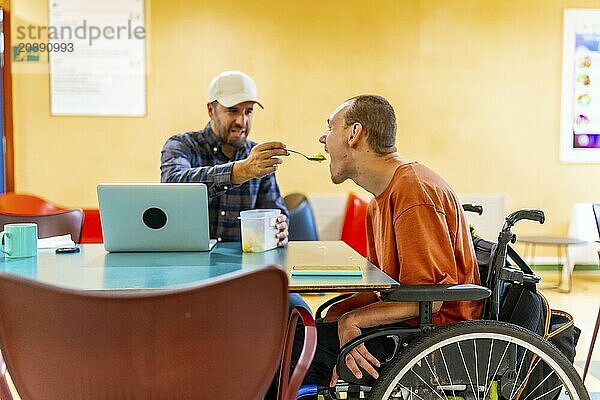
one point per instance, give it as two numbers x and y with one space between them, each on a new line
239 173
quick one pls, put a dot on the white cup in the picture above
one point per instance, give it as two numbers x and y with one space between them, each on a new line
259 228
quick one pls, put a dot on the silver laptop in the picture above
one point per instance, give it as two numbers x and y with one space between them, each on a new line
154 217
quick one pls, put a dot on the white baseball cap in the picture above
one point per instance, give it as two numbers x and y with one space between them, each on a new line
232 87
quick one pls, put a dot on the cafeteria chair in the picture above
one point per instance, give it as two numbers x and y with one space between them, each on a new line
221 338
91 231
354 228
302 224
26 204
58 223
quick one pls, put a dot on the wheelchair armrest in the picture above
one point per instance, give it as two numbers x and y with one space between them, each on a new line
425 295
403 335
329 302
476 208
289 385
420 293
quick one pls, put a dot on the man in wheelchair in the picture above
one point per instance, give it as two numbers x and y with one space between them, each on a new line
418 234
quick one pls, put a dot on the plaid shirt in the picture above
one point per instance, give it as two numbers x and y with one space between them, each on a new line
198 157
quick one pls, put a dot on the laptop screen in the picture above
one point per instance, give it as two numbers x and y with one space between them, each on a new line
154 216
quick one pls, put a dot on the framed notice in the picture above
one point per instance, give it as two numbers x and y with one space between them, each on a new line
97 60
580 116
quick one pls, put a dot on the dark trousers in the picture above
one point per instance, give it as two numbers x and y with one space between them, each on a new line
328 348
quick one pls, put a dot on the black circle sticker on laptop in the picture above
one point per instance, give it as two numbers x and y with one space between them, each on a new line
154 218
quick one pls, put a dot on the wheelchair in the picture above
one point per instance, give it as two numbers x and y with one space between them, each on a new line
486 359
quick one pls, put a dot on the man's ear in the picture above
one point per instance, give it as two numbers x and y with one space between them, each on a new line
356 134
210 109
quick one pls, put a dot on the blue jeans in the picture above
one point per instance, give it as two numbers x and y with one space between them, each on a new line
297 301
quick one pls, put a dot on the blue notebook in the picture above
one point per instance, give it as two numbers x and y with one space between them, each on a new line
326 270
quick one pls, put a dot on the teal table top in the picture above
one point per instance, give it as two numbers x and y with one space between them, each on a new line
95 269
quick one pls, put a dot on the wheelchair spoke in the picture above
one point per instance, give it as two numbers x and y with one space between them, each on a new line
518 374
436 378
447 372
476 367
466 368
491 360
539 384
497 368
427 384
411 392
487 371
526 379
543 396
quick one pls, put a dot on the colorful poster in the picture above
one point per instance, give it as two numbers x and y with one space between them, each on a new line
580 117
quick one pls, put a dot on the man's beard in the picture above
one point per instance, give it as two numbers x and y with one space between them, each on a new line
235 143
223 135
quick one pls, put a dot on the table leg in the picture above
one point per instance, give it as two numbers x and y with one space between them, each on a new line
560 264
567 271
526 253
562 267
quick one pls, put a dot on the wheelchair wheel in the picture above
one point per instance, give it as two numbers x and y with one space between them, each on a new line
479 360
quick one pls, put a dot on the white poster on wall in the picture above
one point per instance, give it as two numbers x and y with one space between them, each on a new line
97 57
580 116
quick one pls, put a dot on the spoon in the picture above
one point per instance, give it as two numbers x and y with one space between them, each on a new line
314 157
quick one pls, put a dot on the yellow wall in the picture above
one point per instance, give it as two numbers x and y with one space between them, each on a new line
475 85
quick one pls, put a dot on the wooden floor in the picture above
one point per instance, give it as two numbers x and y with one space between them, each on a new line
582 303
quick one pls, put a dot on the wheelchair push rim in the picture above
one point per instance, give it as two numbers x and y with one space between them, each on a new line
428 361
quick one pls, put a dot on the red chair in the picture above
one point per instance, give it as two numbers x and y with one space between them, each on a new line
354 230
91 232
27 204
220 338
59 223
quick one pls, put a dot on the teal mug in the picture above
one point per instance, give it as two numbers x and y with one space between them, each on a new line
19 240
